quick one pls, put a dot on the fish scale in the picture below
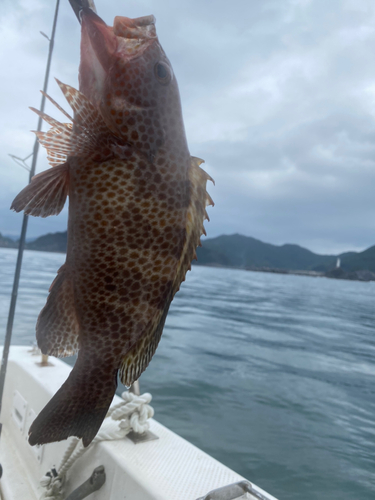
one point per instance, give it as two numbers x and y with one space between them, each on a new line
137 202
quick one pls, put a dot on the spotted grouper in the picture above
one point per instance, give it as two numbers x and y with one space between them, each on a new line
137 202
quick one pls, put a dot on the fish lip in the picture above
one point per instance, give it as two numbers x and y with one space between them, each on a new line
137 22
129 36
139 27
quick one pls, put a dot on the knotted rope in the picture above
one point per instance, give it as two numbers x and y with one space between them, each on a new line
130 414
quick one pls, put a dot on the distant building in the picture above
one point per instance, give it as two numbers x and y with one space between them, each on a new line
338 263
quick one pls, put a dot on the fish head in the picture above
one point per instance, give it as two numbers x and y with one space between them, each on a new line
126 75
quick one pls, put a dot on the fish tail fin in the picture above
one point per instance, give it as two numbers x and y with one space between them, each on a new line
79 406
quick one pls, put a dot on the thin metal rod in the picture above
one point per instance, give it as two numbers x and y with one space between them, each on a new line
21 246
78 5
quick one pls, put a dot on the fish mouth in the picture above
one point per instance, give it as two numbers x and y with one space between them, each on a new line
141 28
102 44
127 35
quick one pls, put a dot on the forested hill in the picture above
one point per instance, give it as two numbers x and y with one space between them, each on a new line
245 252
7 242
241 252
51 242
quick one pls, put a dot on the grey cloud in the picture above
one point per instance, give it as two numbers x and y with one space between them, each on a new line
278 97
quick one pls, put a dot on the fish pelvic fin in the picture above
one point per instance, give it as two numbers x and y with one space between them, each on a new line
46 194
87 135
57 328
79 406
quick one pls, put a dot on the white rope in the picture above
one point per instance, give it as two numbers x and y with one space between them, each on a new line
130 414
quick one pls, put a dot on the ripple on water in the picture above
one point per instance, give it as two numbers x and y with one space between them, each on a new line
271 374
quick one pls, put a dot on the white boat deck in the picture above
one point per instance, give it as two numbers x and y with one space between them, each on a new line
169 468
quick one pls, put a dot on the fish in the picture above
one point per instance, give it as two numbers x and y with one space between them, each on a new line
137 204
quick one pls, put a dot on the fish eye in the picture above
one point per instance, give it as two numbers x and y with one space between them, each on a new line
162 73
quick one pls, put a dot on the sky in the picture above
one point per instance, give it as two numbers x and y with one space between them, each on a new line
278 97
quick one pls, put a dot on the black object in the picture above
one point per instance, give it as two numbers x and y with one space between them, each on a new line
78 5
94 483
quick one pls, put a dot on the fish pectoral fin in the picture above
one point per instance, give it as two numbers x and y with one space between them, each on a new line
57 328
46 194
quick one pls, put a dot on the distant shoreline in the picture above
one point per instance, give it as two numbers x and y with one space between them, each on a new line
338 273
244 252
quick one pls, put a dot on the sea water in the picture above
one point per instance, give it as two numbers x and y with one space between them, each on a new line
273 375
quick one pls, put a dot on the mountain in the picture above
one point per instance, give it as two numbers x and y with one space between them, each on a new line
241 251
7 242
51 242
353 261
10 236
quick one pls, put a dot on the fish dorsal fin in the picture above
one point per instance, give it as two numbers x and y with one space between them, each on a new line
196 215
57 327
85 114
58 106
86 136
63 141
197 212
46 194
139 355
